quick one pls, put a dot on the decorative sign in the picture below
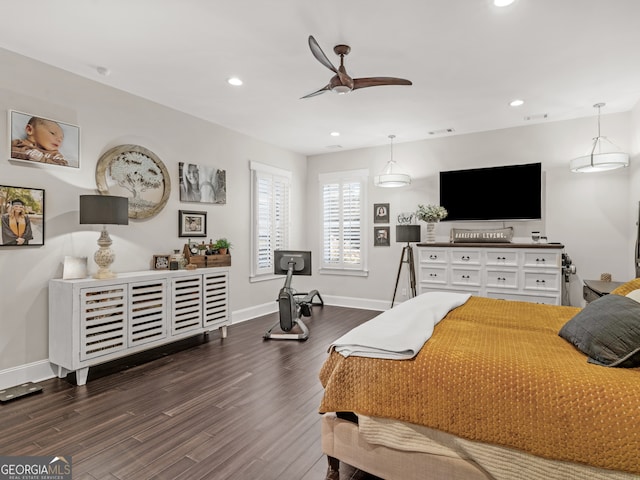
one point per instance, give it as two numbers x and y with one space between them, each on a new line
495 235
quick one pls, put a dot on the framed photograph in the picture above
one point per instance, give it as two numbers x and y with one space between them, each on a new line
38 139
22 214
381 237
137 173
74 267
202 184
161 262
380 213
192 224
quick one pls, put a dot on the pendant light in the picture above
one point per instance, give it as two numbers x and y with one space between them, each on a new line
604 155
391 176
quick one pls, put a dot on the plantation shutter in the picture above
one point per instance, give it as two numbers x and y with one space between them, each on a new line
270 212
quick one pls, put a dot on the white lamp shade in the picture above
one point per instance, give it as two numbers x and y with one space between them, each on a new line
390 180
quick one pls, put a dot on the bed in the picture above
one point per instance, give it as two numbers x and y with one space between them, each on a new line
496 393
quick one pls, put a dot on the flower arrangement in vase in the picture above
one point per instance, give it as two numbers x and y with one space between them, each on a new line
431 214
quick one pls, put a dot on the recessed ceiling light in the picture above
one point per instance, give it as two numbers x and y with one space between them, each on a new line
335 134
516 103
235 81
502 3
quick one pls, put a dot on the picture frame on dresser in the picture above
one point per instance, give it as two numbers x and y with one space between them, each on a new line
22 214
38 139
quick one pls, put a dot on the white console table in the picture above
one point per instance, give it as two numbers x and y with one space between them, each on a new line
95 321
510 271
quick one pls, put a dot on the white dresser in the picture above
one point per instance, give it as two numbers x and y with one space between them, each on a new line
511 271
95 321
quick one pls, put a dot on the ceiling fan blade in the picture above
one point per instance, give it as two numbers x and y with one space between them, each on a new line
319 54
378 81
326 88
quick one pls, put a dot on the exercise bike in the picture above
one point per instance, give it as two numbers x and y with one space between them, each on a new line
292 306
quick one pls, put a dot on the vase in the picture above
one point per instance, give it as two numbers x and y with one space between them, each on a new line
431 232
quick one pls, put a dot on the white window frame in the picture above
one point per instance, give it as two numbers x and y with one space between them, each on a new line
342 178
283 177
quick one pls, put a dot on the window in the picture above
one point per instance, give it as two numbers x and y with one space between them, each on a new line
343 197
270 191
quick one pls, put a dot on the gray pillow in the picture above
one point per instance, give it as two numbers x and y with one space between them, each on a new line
607 330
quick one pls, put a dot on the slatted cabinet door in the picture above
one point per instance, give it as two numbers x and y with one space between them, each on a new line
216 299
147 311
103 316
186 299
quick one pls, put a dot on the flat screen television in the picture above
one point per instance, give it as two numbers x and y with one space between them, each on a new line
512 192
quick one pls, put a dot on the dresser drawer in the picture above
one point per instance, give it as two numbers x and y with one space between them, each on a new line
465 257
433 275
465 276
507 258
502 278
542 281
542 259
433 256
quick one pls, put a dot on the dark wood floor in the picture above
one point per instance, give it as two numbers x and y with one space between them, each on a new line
235 408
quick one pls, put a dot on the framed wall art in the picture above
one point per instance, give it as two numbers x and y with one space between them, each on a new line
192 224
22 214
38 139
134 172
202 184
381 237
380 213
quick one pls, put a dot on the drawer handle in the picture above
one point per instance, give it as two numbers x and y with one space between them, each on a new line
466 277
465 258
433 257
540 281
502 279
433 274
540 259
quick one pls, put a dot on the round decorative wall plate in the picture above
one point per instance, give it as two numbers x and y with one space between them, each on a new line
137 173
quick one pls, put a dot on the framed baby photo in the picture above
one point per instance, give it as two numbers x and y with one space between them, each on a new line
161 262
192 224
22 214
381 237
37 139
380 213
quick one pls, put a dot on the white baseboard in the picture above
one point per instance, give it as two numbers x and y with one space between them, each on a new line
42 370
30 372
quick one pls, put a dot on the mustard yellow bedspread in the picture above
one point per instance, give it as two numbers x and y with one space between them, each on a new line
496 371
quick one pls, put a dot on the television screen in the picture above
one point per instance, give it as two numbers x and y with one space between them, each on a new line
512 192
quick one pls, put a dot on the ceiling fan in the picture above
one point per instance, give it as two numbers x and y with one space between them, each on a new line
341 82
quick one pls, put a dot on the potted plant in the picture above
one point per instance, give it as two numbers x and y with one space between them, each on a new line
431 214
223 245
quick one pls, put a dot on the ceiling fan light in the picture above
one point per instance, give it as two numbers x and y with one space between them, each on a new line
341 89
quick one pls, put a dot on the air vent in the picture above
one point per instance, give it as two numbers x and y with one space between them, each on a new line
443 131
539 116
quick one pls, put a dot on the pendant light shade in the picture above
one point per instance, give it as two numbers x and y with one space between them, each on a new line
604 154
391 176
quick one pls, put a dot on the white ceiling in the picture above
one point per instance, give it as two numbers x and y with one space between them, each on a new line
467 59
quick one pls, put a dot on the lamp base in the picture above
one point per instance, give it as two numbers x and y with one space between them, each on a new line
104 257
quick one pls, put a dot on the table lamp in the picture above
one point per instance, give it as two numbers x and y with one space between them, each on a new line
408 234
104 210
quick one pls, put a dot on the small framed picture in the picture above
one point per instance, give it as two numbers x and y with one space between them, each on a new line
381 237
380 213
38 139
22 213
161 262
192 224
